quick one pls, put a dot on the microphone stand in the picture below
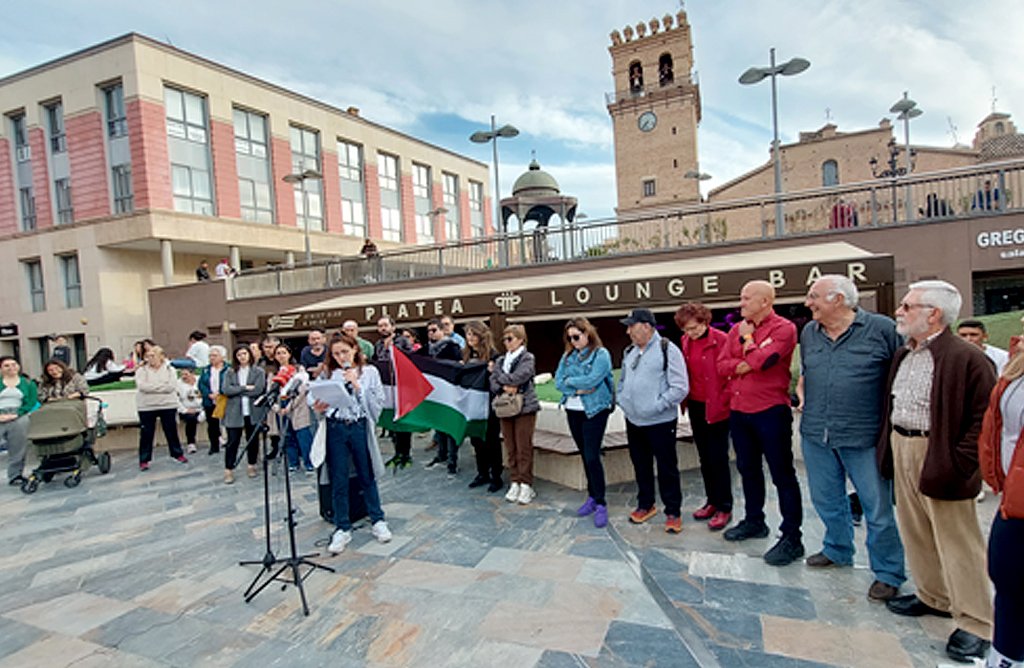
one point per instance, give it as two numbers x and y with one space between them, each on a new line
295 561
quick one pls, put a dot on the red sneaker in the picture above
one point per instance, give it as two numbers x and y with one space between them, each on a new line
673 524
719 521
704 513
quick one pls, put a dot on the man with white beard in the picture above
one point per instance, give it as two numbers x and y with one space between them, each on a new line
936 396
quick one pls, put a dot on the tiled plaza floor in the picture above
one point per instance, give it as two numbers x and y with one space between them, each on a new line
141 569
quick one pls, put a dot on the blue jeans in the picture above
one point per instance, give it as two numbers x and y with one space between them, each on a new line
767 434
827 470
343 441
297 443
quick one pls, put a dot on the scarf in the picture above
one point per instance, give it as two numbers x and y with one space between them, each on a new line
510 359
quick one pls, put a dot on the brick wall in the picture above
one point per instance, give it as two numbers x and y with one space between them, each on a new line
441 222
225 170
90 185
151 163
284 193
332 193
40 177
374 228
8 193
408 210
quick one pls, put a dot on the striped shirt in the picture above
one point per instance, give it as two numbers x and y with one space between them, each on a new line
912 388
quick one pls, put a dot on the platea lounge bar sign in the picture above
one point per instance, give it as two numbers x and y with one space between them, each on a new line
868 272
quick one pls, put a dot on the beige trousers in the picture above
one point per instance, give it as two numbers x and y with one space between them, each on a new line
944 545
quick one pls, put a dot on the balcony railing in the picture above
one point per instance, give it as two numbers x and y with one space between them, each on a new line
917 199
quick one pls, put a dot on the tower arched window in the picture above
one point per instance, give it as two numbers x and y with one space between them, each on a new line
636 76
665 75
999 128
830 173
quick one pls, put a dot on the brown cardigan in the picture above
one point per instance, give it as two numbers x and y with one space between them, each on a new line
990 445
963 380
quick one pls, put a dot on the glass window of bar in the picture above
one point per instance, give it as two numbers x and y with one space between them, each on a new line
353 196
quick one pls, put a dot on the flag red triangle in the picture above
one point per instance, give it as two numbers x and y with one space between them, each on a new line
411 386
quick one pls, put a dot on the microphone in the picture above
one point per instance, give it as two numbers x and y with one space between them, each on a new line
280 379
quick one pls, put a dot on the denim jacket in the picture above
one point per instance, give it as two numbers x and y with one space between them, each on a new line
583 371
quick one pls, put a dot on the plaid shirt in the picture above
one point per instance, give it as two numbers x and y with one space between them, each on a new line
912 387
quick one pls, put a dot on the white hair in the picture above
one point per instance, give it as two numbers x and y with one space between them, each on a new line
841 285
350 323
219 349
941 295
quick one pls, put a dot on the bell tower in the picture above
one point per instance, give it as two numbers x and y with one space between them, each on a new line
655 109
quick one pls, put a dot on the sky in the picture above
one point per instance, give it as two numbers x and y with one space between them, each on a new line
438 70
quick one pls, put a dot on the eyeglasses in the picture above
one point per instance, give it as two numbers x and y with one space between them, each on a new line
907 307
433 329
575 337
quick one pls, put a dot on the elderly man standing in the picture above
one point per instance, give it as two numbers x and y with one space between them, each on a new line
351 327
653 383
846 354
938 391
756 359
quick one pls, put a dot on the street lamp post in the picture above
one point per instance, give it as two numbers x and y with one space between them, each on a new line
754 75
703 228
906 109
482 137
300 178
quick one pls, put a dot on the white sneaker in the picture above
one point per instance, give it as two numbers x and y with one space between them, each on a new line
339 539
513 493
380 531
526 494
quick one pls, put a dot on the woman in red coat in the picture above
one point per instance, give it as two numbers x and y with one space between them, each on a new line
708 405
1001 456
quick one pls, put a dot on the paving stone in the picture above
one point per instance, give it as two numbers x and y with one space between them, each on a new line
628 644
790 602
15 636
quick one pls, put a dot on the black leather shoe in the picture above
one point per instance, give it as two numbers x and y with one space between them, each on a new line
745 530
964 646
479 481
496 485
911 606
785 552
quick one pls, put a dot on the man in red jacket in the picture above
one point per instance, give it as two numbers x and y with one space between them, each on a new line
756 361
936 397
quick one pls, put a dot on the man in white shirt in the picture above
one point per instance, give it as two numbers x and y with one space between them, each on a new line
198 349
974 331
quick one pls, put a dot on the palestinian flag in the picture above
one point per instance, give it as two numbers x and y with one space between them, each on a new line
423 393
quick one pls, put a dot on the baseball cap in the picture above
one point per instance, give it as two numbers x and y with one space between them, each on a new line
640 315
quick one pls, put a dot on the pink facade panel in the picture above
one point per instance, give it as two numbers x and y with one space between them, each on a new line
464 221
225 170
284 193
488 217
87 157
8 192
151 163
441 222
332 193
374 227
40 177
408 210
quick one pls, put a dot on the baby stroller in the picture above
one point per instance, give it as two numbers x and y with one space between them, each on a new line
63 433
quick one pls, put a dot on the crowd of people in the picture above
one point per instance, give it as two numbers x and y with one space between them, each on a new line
907 412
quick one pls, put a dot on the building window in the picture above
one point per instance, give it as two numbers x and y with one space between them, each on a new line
390 198
252 159
424 204
28 209
830 173
648 187
124 197
636 77
72 281
117 120
476 209
450 187
665 75
353 197
22 152
55 117
36 291
999 128
188 146
309 208
62 191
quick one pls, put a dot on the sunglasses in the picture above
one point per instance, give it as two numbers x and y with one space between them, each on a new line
508 339
575 337
433 329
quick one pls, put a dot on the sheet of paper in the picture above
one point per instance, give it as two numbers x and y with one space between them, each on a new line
331 393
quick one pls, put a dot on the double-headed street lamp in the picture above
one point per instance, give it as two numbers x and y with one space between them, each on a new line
482 137
905 110
754 75
300 178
